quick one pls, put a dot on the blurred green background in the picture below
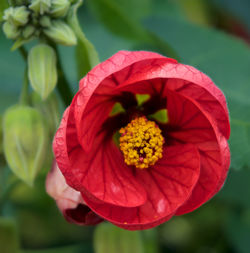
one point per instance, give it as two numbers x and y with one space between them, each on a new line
211 35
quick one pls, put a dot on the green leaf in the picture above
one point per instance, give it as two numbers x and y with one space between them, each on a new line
8 236
240 133
118 21
121 23
237 230
226 60
111 239
86 55
236 191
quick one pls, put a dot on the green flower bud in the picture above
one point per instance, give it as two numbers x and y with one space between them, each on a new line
10 30
59 8
18 16
40 6
49 109
28 31
42 69
25 141
45 21
61 33
108 238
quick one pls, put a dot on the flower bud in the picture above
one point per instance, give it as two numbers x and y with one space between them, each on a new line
42 69
25 141
18 16
28 31
40 6
10 30
61 33
49 109
59 8
45 21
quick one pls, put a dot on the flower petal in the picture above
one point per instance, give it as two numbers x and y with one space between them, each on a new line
82 215
58 189
168 184
95 172
184 79
189 123
98 87
68 200
103 173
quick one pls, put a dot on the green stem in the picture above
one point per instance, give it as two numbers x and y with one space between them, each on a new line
24 96
6 193
63 84
23 52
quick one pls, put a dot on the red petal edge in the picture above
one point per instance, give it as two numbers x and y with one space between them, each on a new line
183 79
98 86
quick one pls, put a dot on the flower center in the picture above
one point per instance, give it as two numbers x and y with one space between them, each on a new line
141 143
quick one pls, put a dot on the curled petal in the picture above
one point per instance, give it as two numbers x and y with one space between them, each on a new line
189 123
184 79
95 172
104 174
98 87
168 185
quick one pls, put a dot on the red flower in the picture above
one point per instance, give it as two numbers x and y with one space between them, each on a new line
158 170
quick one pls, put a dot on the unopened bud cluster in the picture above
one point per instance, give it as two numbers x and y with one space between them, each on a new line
39 19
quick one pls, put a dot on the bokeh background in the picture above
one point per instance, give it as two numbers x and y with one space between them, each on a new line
211 35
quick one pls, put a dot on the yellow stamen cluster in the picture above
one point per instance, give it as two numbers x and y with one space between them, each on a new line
141 143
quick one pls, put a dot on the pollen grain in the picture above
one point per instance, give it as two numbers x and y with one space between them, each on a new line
141 143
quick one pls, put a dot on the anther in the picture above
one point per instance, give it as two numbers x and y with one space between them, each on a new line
141 143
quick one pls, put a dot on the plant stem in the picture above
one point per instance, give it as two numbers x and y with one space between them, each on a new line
24 96
23 52
62 85
6 193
